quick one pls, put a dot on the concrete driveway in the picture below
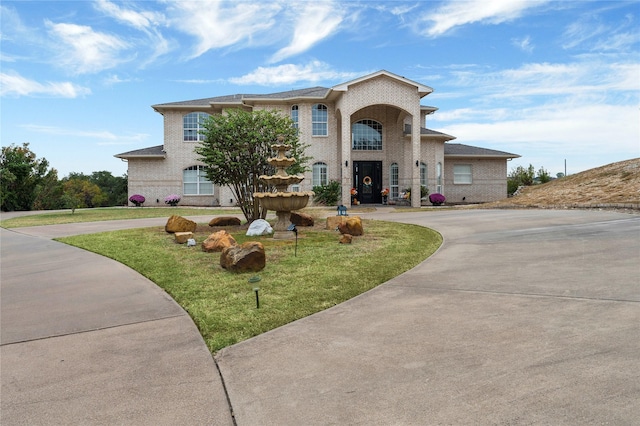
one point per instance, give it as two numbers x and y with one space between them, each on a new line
522 317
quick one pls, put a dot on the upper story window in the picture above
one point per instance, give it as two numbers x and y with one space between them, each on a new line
462 173
195 182
319 120
319 176
192 124
294 115
366 135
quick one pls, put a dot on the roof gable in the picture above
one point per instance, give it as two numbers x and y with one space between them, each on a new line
422 89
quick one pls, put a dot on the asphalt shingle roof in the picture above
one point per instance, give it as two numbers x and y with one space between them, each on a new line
152 151
459 149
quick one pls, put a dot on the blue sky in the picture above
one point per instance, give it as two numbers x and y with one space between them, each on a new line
548 80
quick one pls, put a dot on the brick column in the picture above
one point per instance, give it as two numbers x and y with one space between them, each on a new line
345 165
415 157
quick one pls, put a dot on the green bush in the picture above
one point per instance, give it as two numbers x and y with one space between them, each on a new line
329 194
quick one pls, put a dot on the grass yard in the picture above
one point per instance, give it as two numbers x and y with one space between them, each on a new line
109 213
222 304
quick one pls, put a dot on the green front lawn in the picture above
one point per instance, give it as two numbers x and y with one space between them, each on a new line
222 304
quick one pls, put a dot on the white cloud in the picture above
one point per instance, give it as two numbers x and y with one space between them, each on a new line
550 111
145 21
12 84
313 23
106 137
523 44
290 74
219 24
457 13
140 20
581 31
85 50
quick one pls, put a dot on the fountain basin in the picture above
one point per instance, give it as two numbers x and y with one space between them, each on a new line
283 201
277 180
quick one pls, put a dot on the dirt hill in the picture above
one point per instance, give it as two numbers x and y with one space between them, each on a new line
616 183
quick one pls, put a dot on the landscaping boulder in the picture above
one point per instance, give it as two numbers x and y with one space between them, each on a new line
180 224
301 219
333 222
346 239
248 257
182 237
259 227
218 241
353 226
224 221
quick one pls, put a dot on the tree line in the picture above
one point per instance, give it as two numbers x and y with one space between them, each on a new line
28 183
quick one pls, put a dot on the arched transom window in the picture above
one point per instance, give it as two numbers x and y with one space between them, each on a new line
366 135
191 126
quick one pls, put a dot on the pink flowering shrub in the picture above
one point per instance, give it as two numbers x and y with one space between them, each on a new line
436 199
137 199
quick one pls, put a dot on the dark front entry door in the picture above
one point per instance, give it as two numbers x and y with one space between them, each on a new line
367 176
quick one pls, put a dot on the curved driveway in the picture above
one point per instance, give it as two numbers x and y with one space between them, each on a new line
522 317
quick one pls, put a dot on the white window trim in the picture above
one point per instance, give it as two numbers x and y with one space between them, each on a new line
462 174
326 123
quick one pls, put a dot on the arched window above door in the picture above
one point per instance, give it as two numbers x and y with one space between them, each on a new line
366 135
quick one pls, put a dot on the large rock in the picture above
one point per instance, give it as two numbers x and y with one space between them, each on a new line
333 222
301 219
182 237
346 239
353 226
248 257
218 241
180 224
259 227
224 221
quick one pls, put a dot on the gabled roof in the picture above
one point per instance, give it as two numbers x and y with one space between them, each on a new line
150 152
317 92
243 98
461 150
422 89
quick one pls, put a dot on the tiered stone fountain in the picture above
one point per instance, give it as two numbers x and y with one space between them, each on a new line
282 201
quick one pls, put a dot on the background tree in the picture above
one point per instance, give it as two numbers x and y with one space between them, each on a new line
20 174
520 176
83 193
543 175
113 189
235 149
48 194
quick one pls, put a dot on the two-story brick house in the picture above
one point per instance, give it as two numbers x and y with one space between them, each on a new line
368 134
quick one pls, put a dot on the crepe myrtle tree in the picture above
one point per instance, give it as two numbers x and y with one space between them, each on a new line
236 147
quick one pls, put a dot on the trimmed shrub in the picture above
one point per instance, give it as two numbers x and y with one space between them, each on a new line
436 199
327 195
172 199
137 199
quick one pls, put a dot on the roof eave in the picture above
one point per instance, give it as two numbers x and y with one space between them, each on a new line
128 157
482 156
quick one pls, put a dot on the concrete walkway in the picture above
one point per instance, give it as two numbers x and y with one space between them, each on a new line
522 317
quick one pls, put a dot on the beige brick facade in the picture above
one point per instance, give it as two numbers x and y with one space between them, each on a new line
390 100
